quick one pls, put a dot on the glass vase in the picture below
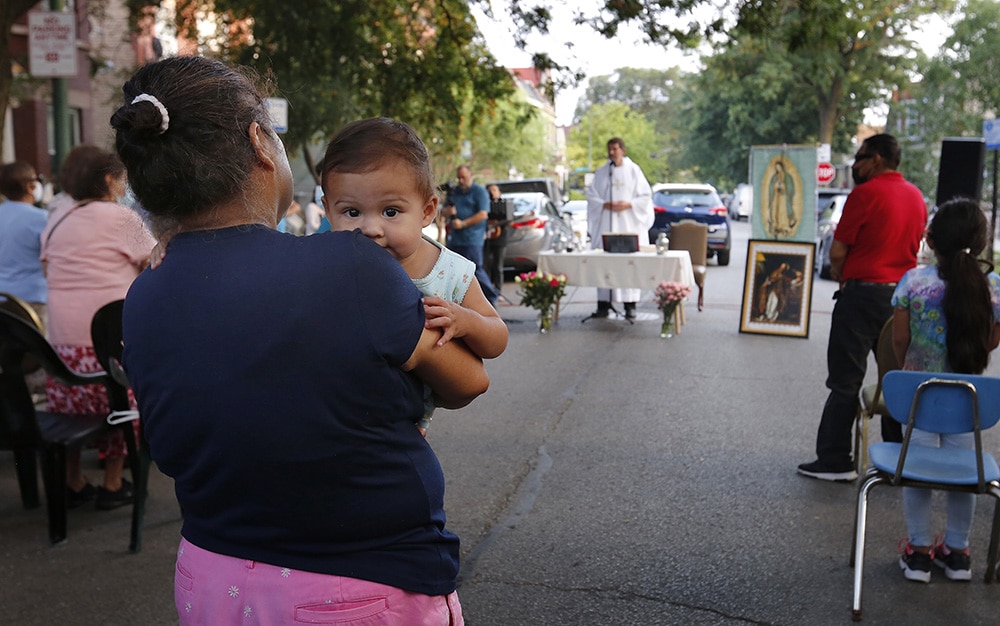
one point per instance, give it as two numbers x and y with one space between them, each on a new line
545 321
667 328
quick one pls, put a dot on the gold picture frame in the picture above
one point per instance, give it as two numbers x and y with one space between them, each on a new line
777 288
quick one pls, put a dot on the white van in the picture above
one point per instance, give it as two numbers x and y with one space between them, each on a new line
741 204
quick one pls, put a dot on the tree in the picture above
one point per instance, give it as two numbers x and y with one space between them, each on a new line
513 136
334 61
650 93
954 92
10 12
587 142
846 51
746 95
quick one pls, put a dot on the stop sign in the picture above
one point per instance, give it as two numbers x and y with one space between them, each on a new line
825 172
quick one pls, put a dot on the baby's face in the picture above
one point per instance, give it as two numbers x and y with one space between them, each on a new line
384 204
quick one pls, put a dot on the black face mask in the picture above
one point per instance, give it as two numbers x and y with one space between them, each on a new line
858 178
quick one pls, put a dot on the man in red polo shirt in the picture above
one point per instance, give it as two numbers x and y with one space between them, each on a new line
875 243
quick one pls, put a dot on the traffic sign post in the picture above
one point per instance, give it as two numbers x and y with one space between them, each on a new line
278 109
825 173
991 132
52 44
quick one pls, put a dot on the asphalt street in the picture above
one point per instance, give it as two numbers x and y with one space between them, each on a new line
609 477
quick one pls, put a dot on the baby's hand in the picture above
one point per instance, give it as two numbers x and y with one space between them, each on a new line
157 255
444 315
159 251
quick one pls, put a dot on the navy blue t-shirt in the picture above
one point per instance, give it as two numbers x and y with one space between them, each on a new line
266 370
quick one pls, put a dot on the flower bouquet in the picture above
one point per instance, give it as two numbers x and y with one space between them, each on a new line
668 295
541 291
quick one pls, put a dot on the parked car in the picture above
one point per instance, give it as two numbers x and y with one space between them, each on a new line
547 186
673 202
537 226
741 203
831 206
576 211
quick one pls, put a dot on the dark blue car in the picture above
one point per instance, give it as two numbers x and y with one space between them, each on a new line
673 202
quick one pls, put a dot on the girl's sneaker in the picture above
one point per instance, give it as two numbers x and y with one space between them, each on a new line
956 563
915 565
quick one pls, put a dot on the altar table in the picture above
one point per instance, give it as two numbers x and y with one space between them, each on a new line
637 270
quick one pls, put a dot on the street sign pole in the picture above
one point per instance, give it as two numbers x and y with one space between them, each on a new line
991 132
60 108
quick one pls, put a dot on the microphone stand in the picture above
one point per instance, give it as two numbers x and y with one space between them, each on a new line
611 226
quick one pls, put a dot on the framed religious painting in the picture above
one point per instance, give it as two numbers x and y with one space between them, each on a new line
777 289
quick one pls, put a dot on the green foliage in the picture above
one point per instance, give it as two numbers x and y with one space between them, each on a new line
512 136
421 61
957 90
646 92
746 95
587 142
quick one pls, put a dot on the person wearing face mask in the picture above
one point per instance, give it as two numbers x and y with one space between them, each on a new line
92 250
21 226
875 243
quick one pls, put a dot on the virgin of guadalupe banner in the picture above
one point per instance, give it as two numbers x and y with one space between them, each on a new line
784 188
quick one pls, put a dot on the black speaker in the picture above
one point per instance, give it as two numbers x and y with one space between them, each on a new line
961 170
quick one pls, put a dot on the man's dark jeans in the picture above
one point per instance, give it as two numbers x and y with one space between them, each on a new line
858 317
475 254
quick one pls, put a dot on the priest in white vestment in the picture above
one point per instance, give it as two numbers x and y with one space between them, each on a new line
619 200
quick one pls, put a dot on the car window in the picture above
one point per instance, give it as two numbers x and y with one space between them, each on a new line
523 206
550 209
669 199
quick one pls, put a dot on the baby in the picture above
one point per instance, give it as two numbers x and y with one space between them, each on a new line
377 178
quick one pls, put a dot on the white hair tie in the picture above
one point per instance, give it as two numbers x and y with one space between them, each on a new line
164 116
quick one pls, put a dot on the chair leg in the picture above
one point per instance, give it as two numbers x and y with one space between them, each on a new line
861 441
991 555
25 460
138 456
858 547
701 297
54 475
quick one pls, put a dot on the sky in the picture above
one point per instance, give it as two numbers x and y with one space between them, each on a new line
594 54
598 56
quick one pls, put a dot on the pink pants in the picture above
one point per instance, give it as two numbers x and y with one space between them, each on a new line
216 590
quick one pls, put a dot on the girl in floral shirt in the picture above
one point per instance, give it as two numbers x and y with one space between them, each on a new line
946 318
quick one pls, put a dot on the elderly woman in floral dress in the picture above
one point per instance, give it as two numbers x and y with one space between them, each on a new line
92 250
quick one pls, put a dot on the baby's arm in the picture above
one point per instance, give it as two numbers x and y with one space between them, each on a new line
475 321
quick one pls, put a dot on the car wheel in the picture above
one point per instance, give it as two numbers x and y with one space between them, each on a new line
723 257
824 272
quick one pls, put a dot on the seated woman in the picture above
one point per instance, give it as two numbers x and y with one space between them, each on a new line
92 250
280 377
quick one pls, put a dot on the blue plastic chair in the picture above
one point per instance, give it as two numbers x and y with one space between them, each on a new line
942 403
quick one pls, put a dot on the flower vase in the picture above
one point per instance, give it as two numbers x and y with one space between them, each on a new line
667 328
545 321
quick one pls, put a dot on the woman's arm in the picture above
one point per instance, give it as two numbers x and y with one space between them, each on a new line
475 321
453 372
900 333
